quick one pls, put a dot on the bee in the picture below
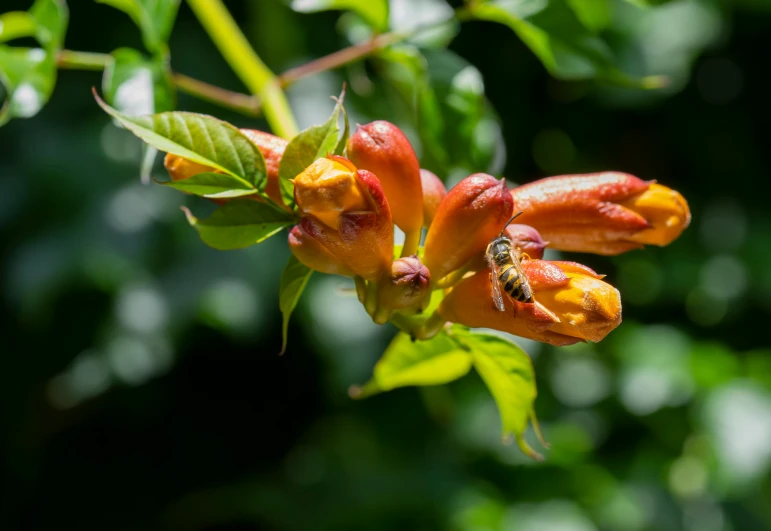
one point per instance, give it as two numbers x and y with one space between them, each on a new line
507 274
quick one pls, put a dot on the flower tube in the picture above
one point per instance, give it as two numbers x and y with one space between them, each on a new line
603 213
572 304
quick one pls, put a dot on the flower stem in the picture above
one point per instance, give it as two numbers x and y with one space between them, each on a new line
342 57
243 103
69 60
228 37
411 243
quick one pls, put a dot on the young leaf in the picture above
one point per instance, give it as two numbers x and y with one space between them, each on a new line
375 12
240 223
508 372
312 143
16 24
136 85
51 18
406 362
293 281
212 185
199 138
555 34
29 76
154 18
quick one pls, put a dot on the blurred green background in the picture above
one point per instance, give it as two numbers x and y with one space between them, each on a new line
140 386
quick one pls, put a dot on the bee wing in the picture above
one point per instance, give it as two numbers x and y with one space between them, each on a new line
515 261
497 296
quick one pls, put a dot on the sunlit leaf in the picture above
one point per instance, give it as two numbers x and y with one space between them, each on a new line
508 372
375 12
310 144
240 223
136 85
435 20
555 34
16 24
213 186
199 138
406 362
154 18
29 76
293 282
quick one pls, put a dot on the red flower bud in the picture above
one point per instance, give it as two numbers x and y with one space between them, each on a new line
409 283
433 193
383 149
473 213
604 213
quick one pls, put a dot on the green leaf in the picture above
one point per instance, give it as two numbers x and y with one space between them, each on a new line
596 15
198 138
457 124
375 12
293 281
17 24
508 373
29 76
51 18
212 186
555 34
240 223
406 362
154 18
136 85
310 144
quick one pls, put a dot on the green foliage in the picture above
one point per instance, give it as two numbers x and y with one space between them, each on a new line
445 95
154 18
408 362
505 368
293 281
16 24
137 85
213 186
374 12
310 144
508 373
554 32
29 74
201 139
240 223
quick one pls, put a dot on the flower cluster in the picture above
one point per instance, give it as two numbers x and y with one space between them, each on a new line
348 207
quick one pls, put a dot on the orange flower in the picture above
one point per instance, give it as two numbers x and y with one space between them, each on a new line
383 149
572 304
346 212
313 254
472 214
271 147
603 213
433 193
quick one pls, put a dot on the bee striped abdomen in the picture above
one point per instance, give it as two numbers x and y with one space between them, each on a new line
511 281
